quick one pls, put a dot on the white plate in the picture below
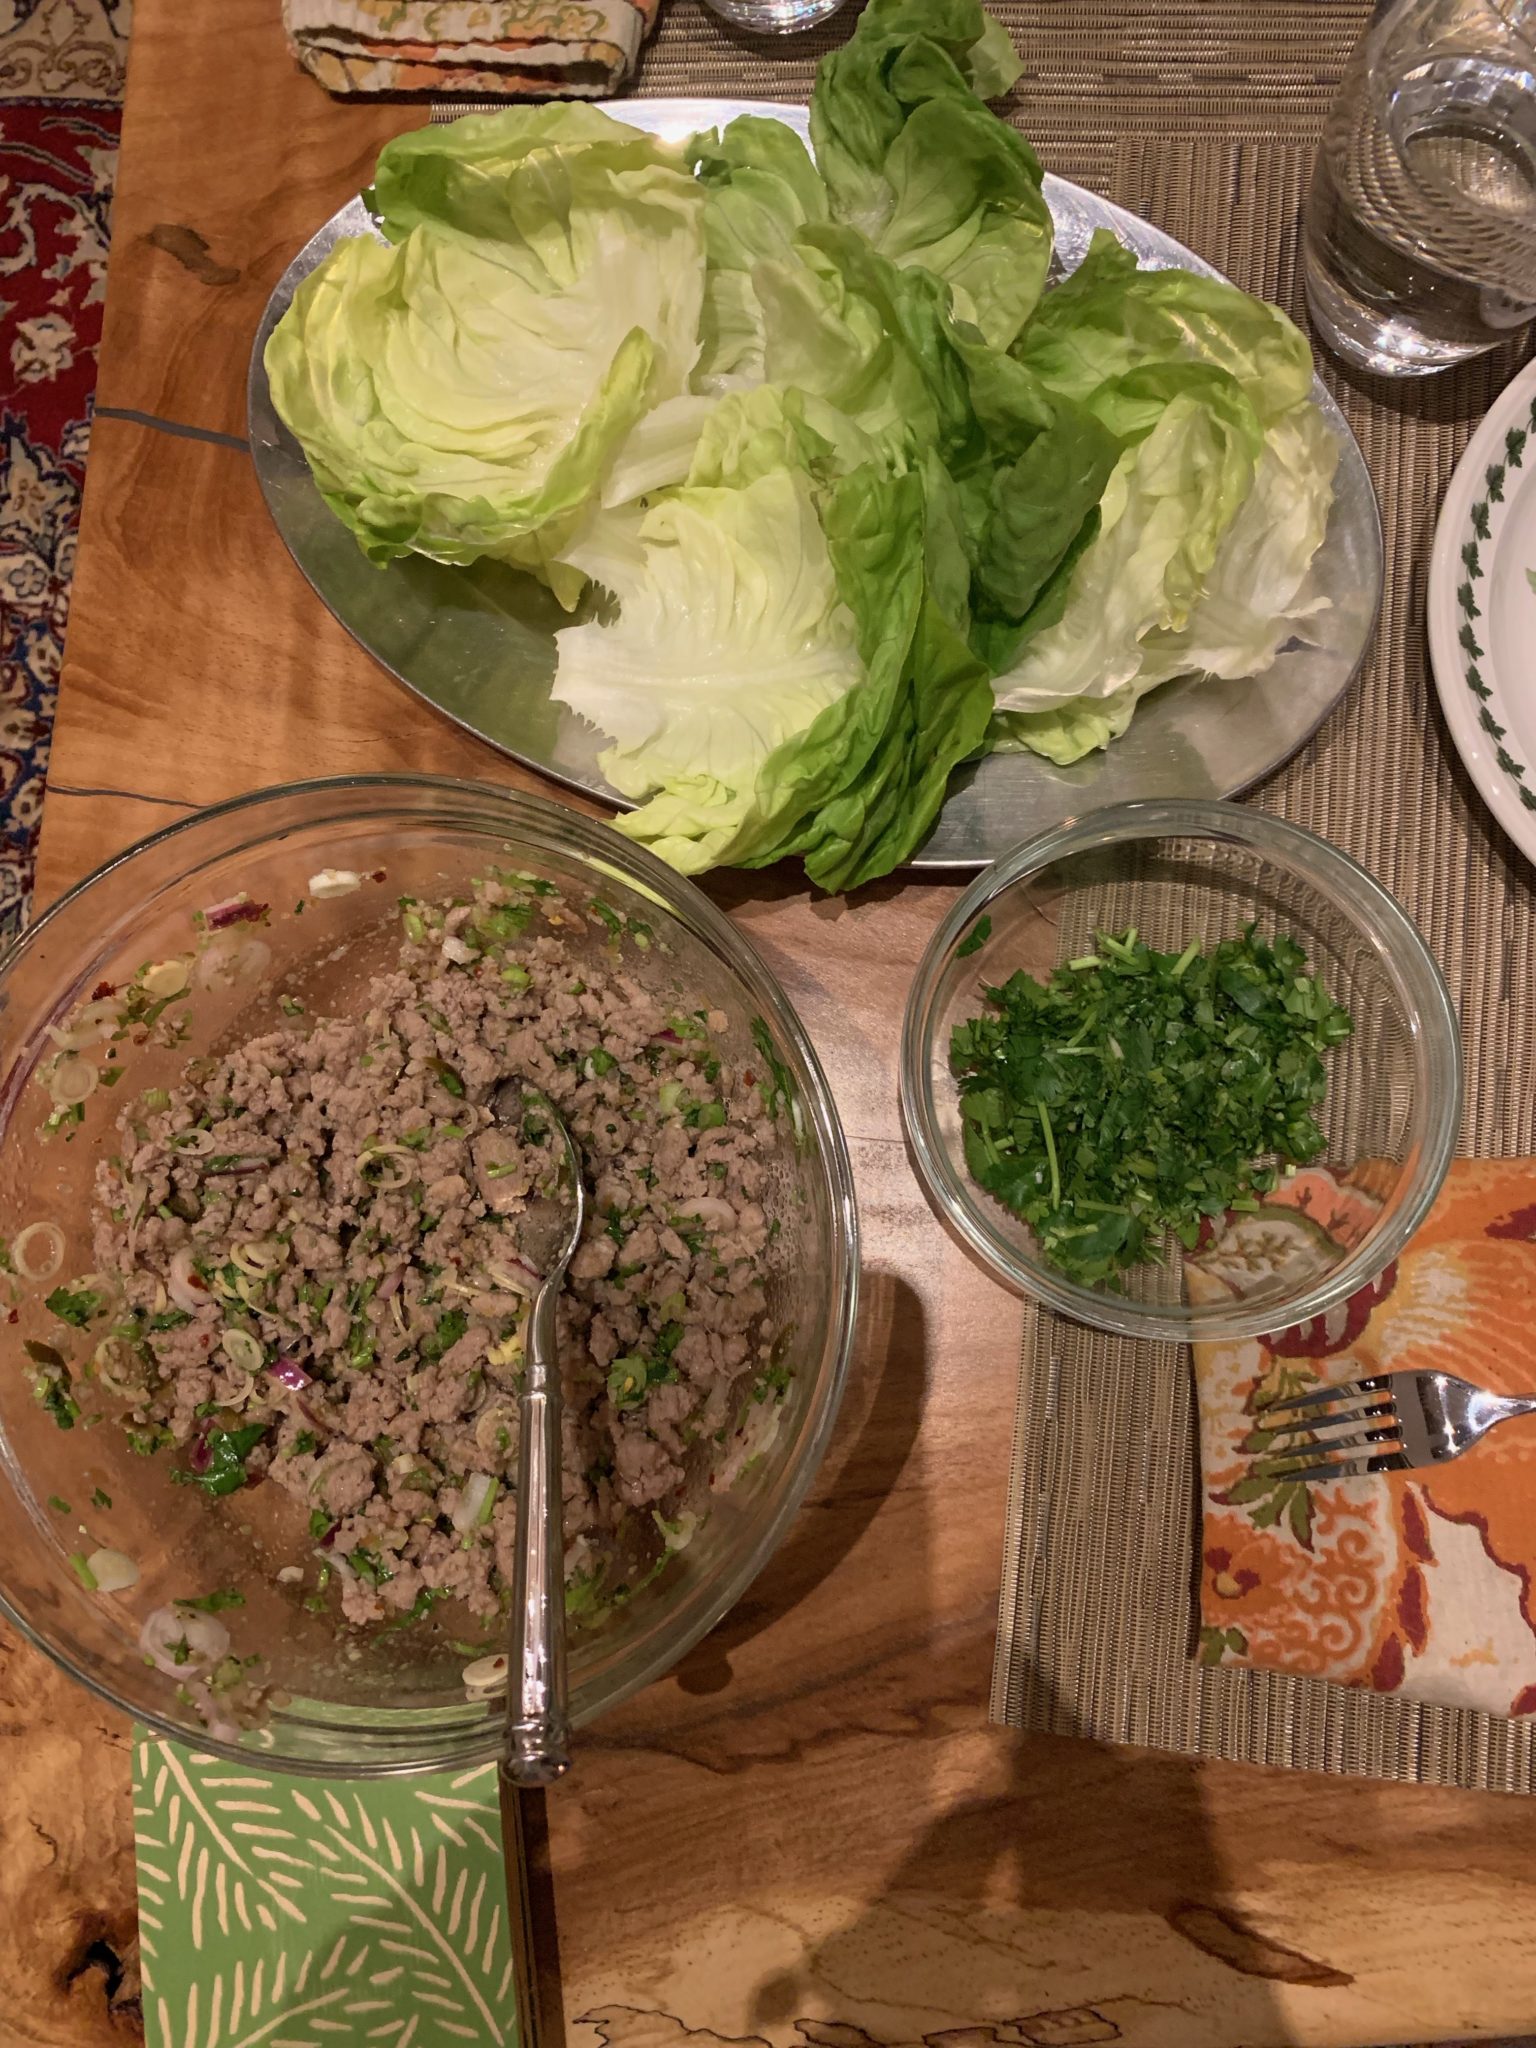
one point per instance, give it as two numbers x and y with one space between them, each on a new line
1482 609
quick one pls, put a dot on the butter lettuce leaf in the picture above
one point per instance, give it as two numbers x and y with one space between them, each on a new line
465 392
1169 502
916 162
1111 317
730 638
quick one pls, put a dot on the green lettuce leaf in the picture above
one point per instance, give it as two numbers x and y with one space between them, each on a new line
730 639
1256 593
500 180
1172 497
1110 318
776 681
465 393
759 187
869 778
915 161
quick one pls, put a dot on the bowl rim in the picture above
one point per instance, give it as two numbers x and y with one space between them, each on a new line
594 838
1405 957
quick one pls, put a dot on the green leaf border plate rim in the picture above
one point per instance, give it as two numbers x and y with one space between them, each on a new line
1474 696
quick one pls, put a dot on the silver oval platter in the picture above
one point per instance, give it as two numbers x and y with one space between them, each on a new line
479 642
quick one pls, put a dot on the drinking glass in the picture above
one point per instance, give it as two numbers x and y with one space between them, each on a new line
775 17
1419 241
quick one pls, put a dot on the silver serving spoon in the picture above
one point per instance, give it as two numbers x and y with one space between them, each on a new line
538 1731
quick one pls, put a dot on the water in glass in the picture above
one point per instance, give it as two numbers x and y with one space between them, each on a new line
775 17
1419 244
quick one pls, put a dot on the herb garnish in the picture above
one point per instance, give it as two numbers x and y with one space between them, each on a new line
75 1308
1137 1091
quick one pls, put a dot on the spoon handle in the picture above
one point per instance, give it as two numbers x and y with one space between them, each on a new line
538 1724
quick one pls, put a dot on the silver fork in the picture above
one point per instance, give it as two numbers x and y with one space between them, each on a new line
1387 1422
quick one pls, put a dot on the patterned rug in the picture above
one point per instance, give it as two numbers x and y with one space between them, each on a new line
61 71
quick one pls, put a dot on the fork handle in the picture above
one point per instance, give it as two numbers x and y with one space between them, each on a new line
538 1731
1487 1409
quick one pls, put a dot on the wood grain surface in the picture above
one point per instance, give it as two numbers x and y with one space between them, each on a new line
808 1834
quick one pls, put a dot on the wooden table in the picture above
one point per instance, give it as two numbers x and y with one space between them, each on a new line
809 1832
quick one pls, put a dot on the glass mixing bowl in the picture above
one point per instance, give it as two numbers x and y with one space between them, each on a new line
364 1702
1181 871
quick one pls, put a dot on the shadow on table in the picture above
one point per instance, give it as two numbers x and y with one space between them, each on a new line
1076 1828
865 1466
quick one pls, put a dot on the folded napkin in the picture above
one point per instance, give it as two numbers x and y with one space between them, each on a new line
1413 1582
283 1912
521 49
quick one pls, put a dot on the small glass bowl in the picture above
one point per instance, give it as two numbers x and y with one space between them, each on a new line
364 1703
1181 871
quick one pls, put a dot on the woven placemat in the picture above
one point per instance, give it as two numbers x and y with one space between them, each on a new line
1217 112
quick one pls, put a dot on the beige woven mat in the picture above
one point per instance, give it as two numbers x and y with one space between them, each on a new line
1204 118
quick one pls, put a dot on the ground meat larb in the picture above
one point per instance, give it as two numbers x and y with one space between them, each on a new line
312 1246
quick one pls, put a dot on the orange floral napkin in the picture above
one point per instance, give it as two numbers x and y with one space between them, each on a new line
1414 1582
521 49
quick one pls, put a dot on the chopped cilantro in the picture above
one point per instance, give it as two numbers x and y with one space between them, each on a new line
369 1567
778 1090
60 1507
228 1450
75 1308
450 1078
52 1389
100 1499
1137 1091
215 1602
974 939
422 1606
450 1328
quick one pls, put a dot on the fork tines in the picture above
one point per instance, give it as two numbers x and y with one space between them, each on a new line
1369 1413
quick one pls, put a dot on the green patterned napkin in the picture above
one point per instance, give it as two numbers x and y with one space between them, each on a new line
285 1912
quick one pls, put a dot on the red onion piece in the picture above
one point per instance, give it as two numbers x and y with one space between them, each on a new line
666 1036
219 916
198 1454
330 1536
389 1286
290 1373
